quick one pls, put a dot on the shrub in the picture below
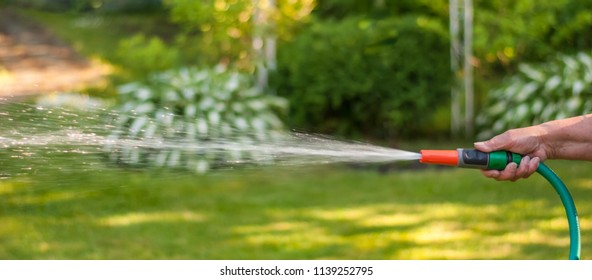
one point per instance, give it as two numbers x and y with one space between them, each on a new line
176 114
143 55
556 89
361 76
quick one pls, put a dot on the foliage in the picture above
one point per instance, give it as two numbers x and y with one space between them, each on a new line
226 27
507 31
120 40
572 31
126 6
195 107
556 89
145 55
339 9
363 75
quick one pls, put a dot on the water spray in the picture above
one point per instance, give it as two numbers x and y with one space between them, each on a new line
470 158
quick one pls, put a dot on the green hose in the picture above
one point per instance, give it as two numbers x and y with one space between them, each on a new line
499 159
570 209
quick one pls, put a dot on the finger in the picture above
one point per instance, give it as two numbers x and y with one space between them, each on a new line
509 173
491 173
523 168
533 165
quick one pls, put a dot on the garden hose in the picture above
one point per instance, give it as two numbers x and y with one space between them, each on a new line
470 158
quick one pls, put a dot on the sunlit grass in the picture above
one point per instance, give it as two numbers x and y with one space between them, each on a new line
316 212
134 218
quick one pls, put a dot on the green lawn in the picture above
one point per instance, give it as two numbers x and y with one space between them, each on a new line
315 212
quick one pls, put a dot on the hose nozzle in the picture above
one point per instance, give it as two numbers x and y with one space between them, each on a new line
470 158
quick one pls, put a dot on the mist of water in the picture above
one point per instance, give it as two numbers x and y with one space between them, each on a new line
33 138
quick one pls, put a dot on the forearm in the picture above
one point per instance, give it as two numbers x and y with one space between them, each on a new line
569 138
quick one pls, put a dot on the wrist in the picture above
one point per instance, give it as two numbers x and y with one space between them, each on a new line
546 139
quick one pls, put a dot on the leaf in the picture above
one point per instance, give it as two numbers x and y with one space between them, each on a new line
190 111
201 166
161 158
174 159
202 127
150 130
258 124
573 105
537 107
144 108
232 83
143 94
128 88
171 96
137 125
241 123
207 103
214 118
238 108
526 91
188 93
585 59
531 73
521 112
552 83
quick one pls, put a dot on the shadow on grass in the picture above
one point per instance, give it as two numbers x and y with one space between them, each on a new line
309 213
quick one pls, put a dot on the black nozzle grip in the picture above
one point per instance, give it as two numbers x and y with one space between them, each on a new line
471 158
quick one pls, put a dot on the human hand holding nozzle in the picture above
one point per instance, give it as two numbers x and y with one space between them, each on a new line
518 153
561 139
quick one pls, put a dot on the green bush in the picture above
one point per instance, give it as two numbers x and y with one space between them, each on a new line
143 55
573 30
362 76
339 9
179 115
557 89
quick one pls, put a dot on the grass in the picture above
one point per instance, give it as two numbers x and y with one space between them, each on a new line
319 212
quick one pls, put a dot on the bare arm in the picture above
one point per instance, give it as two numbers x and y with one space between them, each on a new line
561 139
570 138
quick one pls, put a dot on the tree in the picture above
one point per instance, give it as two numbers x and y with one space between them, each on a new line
225 31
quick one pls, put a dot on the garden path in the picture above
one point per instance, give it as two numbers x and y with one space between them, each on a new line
33 61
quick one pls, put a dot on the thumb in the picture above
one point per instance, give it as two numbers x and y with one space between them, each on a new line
492 144
484 146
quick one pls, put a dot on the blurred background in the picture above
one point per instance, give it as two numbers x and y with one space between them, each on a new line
403 74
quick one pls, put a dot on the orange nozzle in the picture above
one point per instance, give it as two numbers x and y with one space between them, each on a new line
443 157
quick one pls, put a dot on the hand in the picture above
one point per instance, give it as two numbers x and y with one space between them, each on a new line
525 141
513 172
